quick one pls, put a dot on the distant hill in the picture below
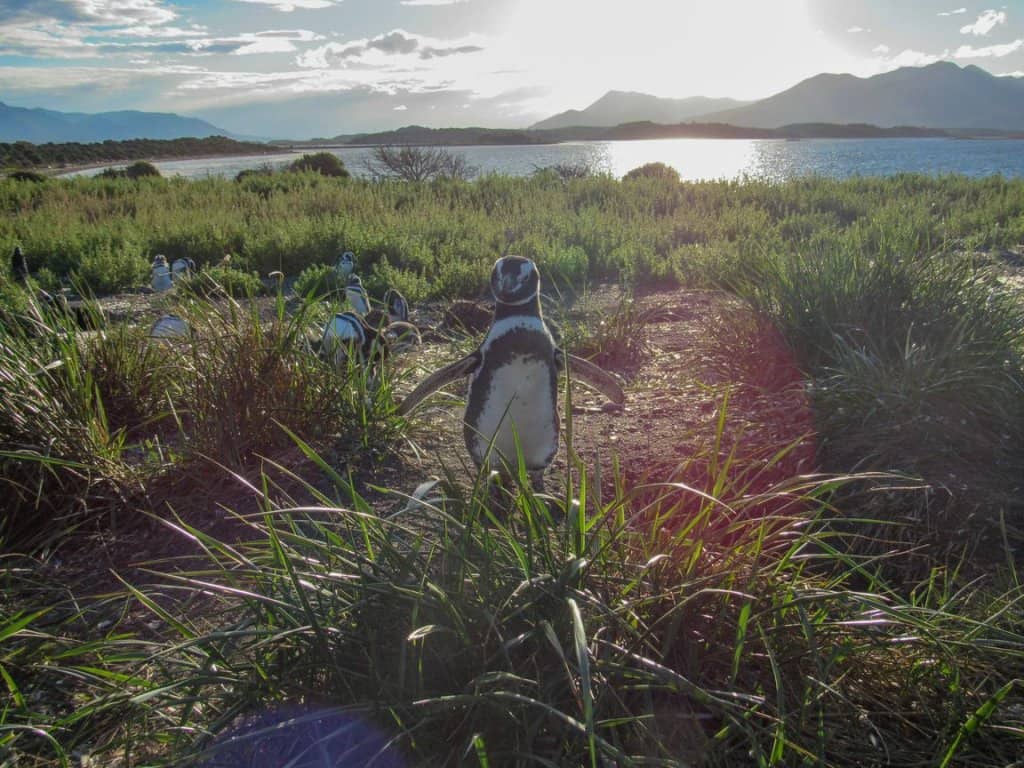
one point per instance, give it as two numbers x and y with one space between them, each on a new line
618 107
941 95
417 134
39 126
24 155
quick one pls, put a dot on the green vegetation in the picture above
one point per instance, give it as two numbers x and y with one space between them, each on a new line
324 163
417 135
24 154
873 618
137 170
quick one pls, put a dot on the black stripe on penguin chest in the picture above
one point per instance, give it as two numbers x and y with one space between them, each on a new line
515 387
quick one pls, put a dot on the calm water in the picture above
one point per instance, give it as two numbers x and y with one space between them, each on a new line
696 159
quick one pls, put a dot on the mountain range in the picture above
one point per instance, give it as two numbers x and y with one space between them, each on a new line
618 107
940 96
40 126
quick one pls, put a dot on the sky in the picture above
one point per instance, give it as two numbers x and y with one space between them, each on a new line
319 68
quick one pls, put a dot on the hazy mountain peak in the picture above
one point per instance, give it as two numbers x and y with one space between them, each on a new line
940 95
618 107
40 126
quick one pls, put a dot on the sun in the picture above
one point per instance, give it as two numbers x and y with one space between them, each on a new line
745 49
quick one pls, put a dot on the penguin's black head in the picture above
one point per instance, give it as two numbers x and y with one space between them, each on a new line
346 262
515 280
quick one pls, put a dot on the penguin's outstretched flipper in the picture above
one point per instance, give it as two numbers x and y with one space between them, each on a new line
591 374
460 369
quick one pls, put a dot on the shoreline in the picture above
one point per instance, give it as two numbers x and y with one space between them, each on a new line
57 172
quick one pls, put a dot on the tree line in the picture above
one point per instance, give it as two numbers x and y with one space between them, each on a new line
25 154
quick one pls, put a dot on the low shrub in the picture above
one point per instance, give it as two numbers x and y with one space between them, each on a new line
653 171
318 280
32 176
223 280
324 163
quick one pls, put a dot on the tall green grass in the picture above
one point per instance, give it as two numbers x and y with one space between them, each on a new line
648 228
455 636
903 330
89 416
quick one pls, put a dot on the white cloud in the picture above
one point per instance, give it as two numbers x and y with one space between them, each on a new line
385 51
985 23
287 6
432 2
64 29
880 48
956 12
401 108
990 51
157 32
95 12
857 30
912 58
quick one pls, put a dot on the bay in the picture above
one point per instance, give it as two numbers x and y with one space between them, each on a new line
694 159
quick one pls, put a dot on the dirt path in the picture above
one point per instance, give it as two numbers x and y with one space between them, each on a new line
699 357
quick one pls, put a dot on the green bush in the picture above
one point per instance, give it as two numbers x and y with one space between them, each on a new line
140 170
653 171
32 176
215 280
318 280
324 163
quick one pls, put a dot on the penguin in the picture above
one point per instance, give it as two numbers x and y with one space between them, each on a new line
345 264
356 295
170 327
346 336
396 310
160 275
19 267
397 306
182 268
513 378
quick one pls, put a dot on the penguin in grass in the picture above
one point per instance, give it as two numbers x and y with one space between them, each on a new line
397 306
182 268
160 279
346 336
345 265
513 378
19 266
394 312
356 296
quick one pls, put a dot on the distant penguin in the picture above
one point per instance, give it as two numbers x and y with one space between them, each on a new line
160 275
513 378
345 264
356 295
182 268
346 337
397 306
19 267
396 310
170 327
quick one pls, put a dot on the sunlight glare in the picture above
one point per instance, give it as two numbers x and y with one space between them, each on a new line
744 49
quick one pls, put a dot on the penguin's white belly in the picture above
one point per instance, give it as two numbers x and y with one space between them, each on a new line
517 405
161 280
